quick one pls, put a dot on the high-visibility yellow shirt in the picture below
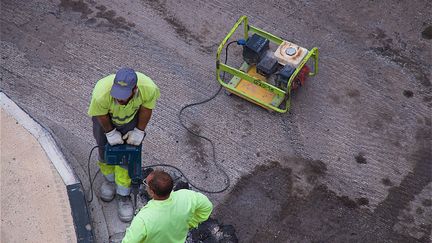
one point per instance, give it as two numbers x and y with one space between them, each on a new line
102 103
169 221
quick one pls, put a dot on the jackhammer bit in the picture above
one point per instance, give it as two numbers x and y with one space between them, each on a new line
134 191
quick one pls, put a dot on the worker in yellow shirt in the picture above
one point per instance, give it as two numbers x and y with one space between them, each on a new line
121 107
170 214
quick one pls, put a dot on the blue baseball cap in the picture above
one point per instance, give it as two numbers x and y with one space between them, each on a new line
124 82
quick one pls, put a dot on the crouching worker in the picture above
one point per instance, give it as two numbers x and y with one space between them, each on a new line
170 214
121 107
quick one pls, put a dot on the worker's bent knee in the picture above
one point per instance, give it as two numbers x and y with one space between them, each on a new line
122 177
105 168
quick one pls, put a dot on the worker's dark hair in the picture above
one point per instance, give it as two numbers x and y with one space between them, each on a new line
161 183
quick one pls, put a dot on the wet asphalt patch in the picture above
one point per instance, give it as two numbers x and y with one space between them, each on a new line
408 93
360 159
103 16
386 48
263 207
387 182
196 145
427 32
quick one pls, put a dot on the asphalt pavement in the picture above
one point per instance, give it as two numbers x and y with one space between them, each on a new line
350 162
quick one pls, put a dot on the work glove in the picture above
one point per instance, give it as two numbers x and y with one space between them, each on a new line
134 137
114 137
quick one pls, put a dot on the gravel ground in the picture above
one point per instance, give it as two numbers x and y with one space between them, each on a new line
351 162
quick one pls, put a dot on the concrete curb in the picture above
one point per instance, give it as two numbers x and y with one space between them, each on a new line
74 188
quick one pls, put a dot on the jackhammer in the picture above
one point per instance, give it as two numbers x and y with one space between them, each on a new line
130 156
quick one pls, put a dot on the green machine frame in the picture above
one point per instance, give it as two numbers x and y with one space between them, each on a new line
241 73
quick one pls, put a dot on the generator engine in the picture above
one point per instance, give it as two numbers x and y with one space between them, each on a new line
255 48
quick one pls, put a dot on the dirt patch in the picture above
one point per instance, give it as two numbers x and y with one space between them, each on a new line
362 201
255 200
419 210
77 6
386 182
314 169
408 93
104 17
353 93
360 159
427 202
263 208
347 202
196 145
113 21
386 49
413 183
180 28
427 33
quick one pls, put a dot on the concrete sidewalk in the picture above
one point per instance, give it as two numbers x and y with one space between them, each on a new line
36 201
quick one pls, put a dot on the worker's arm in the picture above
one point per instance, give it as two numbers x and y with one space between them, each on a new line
137 232
144 115
105 122
113 136
136 136
203 209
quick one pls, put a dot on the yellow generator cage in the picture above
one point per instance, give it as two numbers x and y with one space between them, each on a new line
249 84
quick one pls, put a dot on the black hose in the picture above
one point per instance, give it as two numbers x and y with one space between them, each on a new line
89 174
227 183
